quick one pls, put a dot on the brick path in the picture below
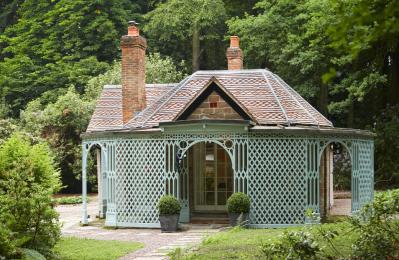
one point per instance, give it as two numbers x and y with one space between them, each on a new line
157 244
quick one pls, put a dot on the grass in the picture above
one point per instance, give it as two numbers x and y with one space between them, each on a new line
69 200
246 243
72 248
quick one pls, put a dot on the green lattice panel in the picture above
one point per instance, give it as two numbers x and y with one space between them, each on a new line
366 171
140 166
277 178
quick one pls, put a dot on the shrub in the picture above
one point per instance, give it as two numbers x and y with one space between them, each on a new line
238 203
69 200
28 179
169 205
378 226
292 245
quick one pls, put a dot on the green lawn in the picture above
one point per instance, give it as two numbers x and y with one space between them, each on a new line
72 248
246 243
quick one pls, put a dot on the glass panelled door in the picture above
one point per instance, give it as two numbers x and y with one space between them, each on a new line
213 177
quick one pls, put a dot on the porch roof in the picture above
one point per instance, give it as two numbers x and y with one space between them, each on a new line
236 126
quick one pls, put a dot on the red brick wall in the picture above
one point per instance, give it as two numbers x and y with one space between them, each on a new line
234 54
214 107
133 75
234 59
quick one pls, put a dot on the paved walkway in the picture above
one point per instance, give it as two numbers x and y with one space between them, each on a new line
157 244
342 207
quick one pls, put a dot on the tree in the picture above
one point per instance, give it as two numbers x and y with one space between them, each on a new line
62 121
58 43
366 35
60 124
178 24
387 148
28 179
8 13
159 69
289 38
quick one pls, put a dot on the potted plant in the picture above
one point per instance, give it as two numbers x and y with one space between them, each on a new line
169 210
238 208
311 217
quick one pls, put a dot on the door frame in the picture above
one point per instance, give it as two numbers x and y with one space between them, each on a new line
199 154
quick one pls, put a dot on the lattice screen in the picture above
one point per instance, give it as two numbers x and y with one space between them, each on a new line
140 174
365 170
280 173
277 176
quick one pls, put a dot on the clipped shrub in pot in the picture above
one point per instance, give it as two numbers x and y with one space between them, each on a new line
169 210
238 208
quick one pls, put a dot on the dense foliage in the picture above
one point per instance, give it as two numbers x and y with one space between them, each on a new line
376 230
292 245
181 24
238 203
386 147
61 122
341 55
169 205
28 179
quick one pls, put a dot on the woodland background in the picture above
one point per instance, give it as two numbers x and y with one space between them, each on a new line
55 56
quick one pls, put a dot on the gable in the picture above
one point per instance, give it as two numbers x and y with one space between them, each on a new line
214 107
213 103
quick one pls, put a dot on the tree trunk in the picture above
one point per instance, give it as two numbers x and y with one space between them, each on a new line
196 48
394 78
323 99
350 115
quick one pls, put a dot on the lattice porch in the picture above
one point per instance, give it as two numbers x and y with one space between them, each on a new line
278 169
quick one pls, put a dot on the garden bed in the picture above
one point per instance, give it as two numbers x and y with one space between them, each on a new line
241 243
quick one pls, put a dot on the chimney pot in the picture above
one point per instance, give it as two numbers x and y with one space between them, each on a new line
234 42
133 29
234 54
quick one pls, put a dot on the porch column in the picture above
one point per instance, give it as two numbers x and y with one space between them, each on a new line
84 185
331 171
99 184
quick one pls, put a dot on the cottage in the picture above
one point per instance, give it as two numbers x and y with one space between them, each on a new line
212 134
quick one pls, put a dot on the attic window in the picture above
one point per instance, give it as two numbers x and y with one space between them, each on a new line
213 104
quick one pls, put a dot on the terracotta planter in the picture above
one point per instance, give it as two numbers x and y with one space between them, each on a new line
235 217
169 223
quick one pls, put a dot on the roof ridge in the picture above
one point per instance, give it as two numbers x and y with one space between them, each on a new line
178 87
275 96
296 99
161 84
200 72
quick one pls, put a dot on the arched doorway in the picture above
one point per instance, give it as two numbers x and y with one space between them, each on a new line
206 182
335 180
93 179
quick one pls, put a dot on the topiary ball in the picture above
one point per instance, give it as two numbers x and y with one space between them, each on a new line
238 203
169 205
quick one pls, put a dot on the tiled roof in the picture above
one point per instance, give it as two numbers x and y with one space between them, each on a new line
108 112
267 98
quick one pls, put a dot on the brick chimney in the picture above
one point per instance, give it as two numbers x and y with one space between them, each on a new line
234 54
133 72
